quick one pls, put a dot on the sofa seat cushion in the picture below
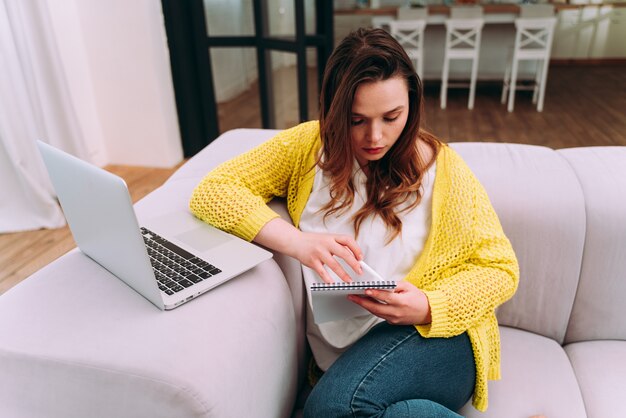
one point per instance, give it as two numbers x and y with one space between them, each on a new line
537 378
600 367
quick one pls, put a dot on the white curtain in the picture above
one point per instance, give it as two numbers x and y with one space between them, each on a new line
34 104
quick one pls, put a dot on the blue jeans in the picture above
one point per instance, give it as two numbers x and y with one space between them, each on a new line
393 371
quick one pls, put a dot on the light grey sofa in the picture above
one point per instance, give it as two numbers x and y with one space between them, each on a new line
76 342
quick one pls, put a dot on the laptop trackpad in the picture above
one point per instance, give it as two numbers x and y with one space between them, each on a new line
203 239
185 227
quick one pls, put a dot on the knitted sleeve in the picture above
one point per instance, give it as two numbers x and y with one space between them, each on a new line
233 197
482 271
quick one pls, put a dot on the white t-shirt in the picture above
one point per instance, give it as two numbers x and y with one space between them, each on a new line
392 261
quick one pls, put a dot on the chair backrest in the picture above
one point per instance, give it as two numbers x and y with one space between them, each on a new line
382 22
412 13
463 34
528 11
533 39
463 28
408 33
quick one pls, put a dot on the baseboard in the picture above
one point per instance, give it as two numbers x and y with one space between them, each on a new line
587 61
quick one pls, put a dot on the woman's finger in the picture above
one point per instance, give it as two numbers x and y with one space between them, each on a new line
334 265
352 245
348 257
406 305
381 310
319 268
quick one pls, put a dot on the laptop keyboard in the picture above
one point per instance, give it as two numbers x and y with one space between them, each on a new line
175 268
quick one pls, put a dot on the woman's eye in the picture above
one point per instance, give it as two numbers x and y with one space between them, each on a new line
391 119
356 122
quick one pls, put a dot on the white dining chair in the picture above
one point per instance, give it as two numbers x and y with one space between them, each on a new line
410 34
463 33
533 42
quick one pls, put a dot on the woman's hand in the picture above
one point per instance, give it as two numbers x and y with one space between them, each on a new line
312 249
316 250
406 305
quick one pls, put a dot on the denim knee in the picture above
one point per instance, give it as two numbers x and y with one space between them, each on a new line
325 403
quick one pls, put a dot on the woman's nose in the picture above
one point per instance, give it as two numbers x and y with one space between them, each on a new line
376 132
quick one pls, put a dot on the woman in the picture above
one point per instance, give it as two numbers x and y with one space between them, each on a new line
366 183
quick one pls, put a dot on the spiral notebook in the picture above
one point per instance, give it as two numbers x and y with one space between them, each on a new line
329 300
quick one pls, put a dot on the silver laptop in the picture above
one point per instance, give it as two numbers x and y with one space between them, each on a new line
169 260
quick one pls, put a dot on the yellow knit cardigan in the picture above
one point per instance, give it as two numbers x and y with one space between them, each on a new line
467 267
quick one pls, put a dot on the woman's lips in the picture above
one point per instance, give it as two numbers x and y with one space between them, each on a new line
373 151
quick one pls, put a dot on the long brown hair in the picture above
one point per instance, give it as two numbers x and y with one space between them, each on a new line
369 55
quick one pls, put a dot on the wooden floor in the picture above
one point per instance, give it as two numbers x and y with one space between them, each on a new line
584 106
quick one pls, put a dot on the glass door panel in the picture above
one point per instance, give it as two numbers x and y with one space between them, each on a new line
245 63
281 19
236 80
229 18
284 89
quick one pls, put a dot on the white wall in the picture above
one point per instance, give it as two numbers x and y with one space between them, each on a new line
117 62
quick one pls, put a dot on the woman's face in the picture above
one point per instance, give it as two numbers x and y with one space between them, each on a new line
379 112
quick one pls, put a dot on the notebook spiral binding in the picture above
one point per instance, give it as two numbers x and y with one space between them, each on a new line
377 284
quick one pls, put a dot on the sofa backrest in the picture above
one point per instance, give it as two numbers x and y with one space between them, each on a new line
600 305
228 145
541 207
537 194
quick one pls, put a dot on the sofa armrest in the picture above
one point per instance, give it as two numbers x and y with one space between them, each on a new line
292 269
226 146
75 342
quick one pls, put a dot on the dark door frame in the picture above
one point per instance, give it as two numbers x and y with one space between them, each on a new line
190 60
